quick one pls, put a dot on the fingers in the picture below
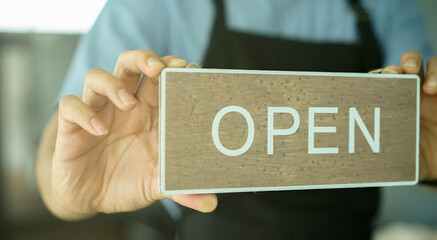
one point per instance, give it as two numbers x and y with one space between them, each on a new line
200 202
101 86
392 69
75 114
430 83
131 64
119 86
149 87
412 62
174 62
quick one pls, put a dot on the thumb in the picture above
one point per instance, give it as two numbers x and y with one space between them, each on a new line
200 202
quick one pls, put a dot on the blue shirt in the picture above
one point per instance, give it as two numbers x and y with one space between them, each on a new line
183 28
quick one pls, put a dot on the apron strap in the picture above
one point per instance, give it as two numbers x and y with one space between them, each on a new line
220 18
372 50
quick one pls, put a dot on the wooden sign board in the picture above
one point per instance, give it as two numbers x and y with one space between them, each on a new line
241 130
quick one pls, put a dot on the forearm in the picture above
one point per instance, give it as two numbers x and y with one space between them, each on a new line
43 173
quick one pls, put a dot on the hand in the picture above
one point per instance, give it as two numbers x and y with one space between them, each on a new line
106 154
412 63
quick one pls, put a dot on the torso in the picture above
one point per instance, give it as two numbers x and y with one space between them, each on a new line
310 214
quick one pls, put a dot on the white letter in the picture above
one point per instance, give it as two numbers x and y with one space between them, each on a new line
215 129
312 129
270 120
354 116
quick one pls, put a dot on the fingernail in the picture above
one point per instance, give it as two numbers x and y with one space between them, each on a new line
125 97
411 64
154 62
431 83
208 204
177 61
99 126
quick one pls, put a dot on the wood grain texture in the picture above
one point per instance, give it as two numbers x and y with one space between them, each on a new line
192 100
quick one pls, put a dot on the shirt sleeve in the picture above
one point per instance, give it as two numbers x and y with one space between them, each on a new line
122 25
400 27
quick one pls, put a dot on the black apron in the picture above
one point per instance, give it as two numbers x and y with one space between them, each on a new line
304 214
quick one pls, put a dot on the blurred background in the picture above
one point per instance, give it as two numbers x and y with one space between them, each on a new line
35 52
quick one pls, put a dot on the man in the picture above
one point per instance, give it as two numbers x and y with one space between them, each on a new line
99 150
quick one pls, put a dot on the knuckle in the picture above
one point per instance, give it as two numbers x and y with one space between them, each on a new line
66 105
169 57
91 74
65 101
124 55
146 52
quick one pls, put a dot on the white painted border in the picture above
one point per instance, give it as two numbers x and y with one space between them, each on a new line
417 124
161 154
